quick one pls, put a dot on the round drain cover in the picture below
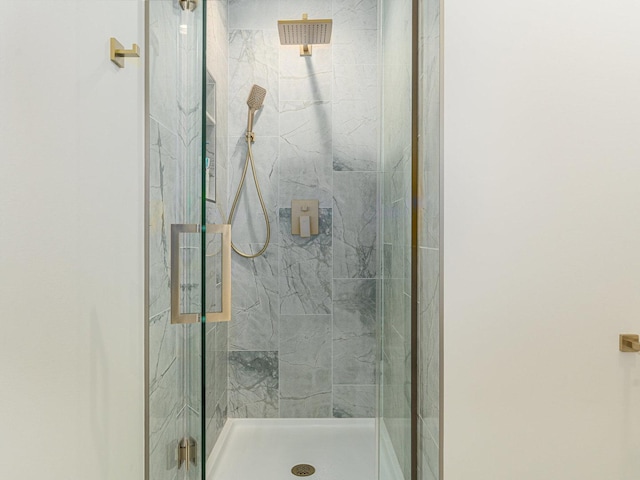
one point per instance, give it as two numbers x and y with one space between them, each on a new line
303 470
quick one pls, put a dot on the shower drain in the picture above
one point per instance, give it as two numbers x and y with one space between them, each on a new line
303 470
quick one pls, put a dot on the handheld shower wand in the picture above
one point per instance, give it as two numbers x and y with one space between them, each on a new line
254 102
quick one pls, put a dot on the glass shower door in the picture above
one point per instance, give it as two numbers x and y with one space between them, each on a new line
187 259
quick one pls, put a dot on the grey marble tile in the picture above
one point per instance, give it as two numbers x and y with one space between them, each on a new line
394 314
430 130
163 351
355 136
306 161
163 62
429 336
429 452
355 82
354 329
305 267
253 384
396 31
213 272
354 46
221 374
396 351
397 419
214 426
293 9
161 451
354 401
218 100
163 408
255 303
253 59
305 78
216 378
252 15
355 14
305 366
165 203
407 267
193 374
355 224
248 224
394 241
397 111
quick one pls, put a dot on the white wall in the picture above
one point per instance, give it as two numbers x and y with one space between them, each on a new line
542 239
71 241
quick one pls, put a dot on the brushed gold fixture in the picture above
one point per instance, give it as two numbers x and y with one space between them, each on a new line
187 453
118 52
224 315
629 343
305 32
188 4
303 470
254 102
302 210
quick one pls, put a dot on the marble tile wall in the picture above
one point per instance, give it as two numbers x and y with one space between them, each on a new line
429 243
303 334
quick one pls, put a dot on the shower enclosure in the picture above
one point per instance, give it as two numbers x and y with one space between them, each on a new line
313 337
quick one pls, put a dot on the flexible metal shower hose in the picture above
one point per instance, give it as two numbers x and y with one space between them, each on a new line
249 159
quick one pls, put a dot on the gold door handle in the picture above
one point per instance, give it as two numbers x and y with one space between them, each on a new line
629 343
177 317
118 52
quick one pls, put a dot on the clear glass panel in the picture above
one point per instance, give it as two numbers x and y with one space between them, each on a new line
213 269
304 320
395 359
429 243
216 148
175 197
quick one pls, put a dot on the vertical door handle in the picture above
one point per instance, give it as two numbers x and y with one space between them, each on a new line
224 315
176 316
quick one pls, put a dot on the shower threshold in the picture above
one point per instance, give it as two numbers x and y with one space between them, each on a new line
268 449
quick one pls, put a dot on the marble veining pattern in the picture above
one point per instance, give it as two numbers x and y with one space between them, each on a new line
305 151
354 332
253 384
255 306
316 138
354 401
428 236
355 224
253 59
248 221
305 268
305 366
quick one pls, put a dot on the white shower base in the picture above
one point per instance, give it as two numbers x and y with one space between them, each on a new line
266 449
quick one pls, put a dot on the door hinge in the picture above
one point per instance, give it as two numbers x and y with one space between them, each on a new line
187 452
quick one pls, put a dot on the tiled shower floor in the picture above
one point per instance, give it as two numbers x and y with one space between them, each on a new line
267 449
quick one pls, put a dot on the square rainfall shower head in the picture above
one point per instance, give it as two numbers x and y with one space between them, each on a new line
305 32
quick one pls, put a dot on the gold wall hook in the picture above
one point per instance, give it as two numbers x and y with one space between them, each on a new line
629 343
118 52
